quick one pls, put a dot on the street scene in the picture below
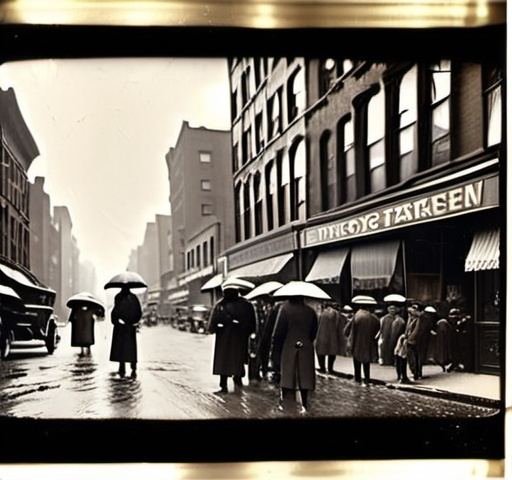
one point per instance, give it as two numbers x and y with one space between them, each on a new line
253 238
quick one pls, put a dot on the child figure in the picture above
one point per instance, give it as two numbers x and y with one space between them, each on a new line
401 359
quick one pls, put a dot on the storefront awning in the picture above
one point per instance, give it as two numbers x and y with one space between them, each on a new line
328 265
214 282
484 253
270 266
373 265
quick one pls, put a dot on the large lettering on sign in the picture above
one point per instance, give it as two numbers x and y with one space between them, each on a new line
450 202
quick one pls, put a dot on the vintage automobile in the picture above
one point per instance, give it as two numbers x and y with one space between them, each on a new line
191 318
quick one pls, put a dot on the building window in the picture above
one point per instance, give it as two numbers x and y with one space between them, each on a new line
206 258
212 250
245 86
492 86
347 162
258 203
205 157
258 132
236 158
408 118
198 256
247 210
271 186
376 121
246 145
283 194
206 185
296 95
234 105
274 115
238 212
206 209
440 90
327 174
299 183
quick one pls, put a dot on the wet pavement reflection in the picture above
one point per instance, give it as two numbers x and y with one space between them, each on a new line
174 381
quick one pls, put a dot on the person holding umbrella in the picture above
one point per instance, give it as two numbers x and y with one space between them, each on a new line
233 320
85 310
365 327
125 317
293 341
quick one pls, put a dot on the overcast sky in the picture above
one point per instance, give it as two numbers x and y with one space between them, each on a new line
103 128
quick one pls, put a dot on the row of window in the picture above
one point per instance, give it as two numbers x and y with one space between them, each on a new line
14 183
395 128
14 238
200 256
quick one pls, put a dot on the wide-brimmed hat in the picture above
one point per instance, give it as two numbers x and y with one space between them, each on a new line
363 300
430 309
394 298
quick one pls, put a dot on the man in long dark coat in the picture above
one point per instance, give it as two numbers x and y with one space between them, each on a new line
233 320
294 334
365 326
125 317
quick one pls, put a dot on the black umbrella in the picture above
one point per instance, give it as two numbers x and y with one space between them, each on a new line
126 279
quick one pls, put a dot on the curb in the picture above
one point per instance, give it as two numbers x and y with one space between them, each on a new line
432 392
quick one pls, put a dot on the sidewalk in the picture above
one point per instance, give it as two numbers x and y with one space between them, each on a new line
467 387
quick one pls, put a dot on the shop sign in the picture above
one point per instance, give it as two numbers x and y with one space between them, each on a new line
454 201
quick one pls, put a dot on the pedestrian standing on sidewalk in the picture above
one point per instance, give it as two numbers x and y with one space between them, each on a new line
293 341
269 362
125 317
330 340
384 338
83 318
418 336
364 328
443 343
400 352
233 320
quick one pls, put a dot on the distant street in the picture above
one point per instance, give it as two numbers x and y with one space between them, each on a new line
174 381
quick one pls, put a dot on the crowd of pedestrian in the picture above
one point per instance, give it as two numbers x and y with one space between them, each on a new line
281 340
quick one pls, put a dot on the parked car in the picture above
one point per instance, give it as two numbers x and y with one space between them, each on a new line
27 324
198 318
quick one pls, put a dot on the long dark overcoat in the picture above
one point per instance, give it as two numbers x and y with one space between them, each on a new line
420 335
124 336
82 325
387 347
443 342
365 327
232 320
397 329
330 339
294 335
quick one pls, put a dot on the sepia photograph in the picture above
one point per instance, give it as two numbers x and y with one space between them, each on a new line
262 248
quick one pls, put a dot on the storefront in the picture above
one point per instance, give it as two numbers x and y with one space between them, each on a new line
438 244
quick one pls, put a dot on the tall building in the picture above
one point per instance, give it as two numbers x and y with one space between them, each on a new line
201 210
18 150
395 190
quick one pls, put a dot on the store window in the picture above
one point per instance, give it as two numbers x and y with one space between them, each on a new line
408 119
440 90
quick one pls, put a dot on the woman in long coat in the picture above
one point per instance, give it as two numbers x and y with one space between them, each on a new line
233 320
385 340
293 340
125 317
330 340
443 341
82 319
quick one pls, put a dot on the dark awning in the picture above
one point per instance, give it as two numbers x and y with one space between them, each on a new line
328 265
270 266
373 264
484 253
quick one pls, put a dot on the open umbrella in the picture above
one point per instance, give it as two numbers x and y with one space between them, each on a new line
126 279
237 283
299 288
81 298
264 289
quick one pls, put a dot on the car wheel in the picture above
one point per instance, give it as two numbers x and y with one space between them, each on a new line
5 346
51 338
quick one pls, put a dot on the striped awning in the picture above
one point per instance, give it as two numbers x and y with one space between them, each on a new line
484 253
270 266
374 264
328 265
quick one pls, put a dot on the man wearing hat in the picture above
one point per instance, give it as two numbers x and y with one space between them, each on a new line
233 320
365 326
